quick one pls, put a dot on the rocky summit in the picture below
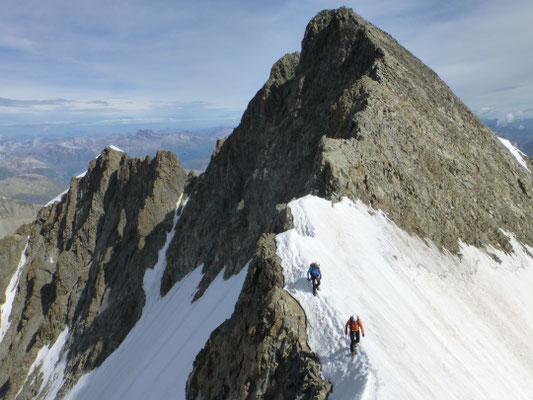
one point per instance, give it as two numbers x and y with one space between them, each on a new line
352 115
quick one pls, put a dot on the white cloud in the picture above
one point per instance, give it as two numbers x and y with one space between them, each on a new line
511 117
508 119
16 43
485 110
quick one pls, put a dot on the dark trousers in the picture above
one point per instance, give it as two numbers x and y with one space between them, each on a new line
354 339
316 282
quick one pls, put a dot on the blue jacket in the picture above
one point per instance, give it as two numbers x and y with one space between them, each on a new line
314 271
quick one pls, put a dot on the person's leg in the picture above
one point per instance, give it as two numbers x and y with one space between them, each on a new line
357 337
352 341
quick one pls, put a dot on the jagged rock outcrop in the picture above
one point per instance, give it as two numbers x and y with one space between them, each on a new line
268 357
86 259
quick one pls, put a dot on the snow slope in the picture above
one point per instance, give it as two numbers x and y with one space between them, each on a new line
437 326
11 291
515 152
155 359
51 363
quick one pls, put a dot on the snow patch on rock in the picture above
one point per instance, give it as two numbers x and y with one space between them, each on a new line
515 152
11 292
51 363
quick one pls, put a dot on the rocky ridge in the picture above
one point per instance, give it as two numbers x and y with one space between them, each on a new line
269 357
86 258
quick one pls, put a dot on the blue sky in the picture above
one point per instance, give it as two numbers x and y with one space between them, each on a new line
194 64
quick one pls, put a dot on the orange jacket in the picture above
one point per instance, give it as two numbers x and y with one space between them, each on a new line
354 325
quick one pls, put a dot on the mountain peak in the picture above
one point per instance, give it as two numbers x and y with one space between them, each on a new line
356 115
146 133
86 256
333 29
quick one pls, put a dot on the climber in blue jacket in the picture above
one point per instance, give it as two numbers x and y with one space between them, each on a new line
314 274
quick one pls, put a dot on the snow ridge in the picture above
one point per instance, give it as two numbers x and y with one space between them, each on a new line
116 148
437 326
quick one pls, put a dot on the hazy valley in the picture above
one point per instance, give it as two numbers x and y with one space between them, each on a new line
36 170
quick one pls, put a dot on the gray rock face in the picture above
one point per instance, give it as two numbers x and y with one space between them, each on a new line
86 260
399 139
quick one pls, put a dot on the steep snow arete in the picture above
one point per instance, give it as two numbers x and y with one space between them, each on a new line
437 326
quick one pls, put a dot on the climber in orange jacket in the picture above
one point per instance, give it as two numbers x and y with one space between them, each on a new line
354 323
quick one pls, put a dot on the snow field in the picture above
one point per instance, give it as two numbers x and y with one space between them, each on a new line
437 326
155 359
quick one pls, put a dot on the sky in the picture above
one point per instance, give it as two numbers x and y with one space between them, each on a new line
125 63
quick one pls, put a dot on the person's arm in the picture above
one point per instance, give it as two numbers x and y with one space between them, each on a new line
362 329
308 272
346 327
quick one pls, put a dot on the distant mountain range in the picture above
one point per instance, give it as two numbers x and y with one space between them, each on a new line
14 213
37 169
